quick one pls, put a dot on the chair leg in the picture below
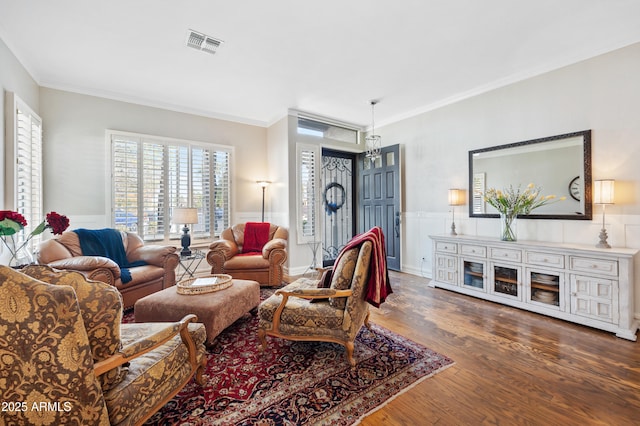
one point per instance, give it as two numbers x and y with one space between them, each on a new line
366 320
349 346
262 335
199 372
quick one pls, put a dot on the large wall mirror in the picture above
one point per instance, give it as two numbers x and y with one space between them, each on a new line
560 165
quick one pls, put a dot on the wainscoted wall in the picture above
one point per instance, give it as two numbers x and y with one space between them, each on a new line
623 231
599 94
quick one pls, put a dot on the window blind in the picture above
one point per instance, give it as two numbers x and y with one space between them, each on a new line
27 166
152 176
307 192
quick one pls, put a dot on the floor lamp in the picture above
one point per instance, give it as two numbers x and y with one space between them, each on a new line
603 194
263 184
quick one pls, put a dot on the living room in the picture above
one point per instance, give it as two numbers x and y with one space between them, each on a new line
595 88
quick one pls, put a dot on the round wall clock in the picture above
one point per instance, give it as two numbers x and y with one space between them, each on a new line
574 188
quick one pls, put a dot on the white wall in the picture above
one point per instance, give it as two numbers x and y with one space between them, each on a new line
13 78
599 94
277 196
75 171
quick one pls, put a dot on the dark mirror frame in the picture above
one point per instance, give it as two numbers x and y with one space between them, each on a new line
588 209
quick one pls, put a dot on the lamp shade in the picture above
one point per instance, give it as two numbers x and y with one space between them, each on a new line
263 183
603 191
455 197
185 215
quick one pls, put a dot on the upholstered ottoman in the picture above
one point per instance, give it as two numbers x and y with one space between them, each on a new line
216 310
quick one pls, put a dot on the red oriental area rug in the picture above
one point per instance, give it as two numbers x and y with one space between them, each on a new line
297 383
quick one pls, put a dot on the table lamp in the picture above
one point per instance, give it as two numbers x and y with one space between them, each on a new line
603 191
455 199
185 216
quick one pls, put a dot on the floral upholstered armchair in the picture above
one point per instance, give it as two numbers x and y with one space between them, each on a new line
303 311
62 344
232 254
154 270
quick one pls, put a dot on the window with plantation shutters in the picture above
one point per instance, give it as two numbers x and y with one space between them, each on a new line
153 175
307 191
24 165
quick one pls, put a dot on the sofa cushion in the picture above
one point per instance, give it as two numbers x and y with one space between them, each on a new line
152 376
343 275
251 261
143 274
301 312
101 310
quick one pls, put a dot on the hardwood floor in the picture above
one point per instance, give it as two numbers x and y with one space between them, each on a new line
512 366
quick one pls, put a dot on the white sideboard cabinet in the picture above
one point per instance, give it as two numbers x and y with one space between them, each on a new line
582 284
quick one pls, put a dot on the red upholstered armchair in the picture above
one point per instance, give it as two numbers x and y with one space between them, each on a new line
229 255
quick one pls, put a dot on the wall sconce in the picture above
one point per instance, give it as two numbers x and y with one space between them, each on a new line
603 193
456 198
185 216
263 184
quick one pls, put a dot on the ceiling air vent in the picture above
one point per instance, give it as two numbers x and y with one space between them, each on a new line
202 42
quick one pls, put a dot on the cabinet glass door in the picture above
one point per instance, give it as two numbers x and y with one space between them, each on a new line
545 287
473 274
506 281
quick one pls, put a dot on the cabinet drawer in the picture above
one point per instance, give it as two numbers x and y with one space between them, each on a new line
471 250
587 264
446 247
544 259
505 254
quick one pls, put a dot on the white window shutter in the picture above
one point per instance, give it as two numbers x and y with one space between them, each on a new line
153 175
307 198
24 165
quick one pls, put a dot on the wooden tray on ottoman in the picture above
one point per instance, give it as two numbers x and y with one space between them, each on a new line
206 284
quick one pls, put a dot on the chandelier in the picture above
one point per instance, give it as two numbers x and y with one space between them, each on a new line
373 142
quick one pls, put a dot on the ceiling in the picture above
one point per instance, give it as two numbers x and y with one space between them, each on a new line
329 58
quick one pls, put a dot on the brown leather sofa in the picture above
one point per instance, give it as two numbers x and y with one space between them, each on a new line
225 256
64 252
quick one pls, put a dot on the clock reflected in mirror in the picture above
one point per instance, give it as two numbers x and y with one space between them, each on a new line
574 188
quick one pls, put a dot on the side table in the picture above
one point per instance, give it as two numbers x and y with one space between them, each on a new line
190 264
313 246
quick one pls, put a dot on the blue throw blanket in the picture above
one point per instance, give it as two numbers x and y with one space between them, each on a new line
107 243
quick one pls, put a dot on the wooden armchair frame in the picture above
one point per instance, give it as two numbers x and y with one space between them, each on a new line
149 343
310 293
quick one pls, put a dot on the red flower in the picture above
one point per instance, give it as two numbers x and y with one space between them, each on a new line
57 222
14 216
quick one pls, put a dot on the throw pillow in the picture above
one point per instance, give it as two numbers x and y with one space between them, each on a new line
256 235
325 278
101 309
324 282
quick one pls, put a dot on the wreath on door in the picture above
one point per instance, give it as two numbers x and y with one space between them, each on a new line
332 207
